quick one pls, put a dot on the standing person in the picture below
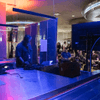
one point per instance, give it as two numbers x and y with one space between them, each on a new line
24 53
64 46
58 51
58 47
11 40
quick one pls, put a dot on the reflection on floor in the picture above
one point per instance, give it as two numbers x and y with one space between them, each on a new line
26 84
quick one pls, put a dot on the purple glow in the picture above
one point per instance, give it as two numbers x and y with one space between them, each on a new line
2 33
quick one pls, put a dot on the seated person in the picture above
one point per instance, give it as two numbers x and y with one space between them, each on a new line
65 55
24 53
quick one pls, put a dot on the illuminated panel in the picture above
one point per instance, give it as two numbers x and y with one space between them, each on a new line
0 38
20 22
2 33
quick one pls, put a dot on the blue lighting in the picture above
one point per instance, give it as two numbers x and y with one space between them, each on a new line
33 13
8 25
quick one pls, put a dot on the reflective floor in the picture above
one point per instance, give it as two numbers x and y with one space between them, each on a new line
22 84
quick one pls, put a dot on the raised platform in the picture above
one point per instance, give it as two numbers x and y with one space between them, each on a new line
22 84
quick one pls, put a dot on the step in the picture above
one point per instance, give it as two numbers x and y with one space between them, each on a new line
77 92
89 94
97 97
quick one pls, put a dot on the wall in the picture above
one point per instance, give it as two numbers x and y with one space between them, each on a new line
63 36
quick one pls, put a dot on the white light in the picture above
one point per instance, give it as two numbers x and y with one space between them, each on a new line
6 67
1 39
73 15
21 27
21 22
14 40
50 63
91 7
56 14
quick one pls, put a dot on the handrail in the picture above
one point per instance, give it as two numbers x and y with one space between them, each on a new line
91 51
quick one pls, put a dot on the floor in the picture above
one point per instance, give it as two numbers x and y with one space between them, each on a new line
21 84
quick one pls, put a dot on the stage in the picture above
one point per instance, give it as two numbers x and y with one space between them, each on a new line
22 84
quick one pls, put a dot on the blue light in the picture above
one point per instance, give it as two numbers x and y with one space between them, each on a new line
33 13
8 25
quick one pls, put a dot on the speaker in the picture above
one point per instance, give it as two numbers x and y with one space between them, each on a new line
69 69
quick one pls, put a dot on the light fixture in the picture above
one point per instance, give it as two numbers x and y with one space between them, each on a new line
92 11
5 66
0 39
56 14
21 22
14 39
73 15
92 6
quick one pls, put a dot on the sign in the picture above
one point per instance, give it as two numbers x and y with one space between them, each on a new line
43 45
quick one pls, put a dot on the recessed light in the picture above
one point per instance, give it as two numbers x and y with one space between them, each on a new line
73 15
56 14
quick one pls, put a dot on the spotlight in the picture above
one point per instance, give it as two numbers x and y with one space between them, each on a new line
3 68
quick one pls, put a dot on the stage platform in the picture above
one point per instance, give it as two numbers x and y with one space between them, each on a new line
22 84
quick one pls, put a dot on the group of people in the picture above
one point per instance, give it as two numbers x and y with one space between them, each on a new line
63 51
24 52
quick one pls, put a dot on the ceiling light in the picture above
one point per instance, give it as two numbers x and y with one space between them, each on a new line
92 6
21 22
0 39
92 10
5 66
73 15
56 14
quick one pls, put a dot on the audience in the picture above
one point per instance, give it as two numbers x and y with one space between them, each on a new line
77 56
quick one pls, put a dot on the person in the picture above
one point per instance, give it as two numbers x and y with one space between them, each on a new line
65 55
64 46
58 47
24 53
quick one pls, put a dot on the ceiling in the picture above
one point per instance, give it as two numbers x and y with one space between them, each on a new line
66 8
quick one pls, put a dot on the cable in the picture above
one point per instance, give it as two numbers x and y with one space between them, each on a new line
53 8
15 74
